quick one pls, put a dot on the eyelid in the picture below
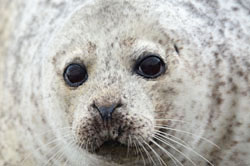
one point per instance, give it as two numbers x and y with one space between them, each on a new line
145 55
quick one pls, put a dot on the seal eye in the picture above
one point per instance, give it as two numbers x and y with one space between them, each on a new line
150 66
75 75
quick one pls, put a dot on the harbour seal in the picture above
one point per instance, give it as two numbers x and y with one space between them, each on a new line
125 82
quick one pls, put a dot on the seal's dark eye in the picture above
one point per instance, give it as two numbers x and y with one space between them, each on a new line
75 75
150 66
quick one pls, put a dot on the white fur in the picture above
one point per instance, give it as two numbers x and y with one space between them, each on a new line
206 83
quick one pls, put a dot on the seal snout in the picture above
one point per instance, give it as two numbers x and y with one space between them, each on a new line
110 124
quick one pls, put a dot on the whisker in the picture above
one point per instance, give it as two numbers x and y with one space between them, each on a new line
51 130
91 146
87 144
190 150
128 145
66 162
186 132
144 163
56 153
166 134
133 142
147 153
80 148
174 120
170 145
81 144
156 154
71 142
168 153
42 146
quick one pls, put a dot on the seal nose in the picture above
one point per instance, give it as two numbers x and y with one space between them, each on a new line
106 111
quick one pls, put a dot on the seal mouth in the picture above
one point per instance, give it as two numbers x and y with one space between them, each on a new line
113 150
111 143
110 146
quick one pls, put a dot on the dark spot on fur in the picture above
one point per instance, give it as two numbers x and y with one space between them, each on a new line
234 88
221 83
169 90
246 77
221 31
218 61
216 55
179 80
240 73
235 8
129 41
234 143
219 100
91 47
176 49
238 124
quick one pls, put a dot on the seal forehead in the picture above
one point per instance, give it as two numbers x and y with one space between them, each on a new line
124 33
113 20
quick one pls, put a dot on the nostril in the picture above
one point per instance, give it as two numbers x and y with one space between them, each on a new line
94 105
106 111
119 105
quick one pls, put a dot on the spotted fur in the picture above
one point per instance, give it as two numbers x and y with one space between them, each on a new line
205 90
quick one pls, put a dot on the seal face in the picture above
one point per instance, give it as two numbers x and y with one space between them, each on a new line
120 83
